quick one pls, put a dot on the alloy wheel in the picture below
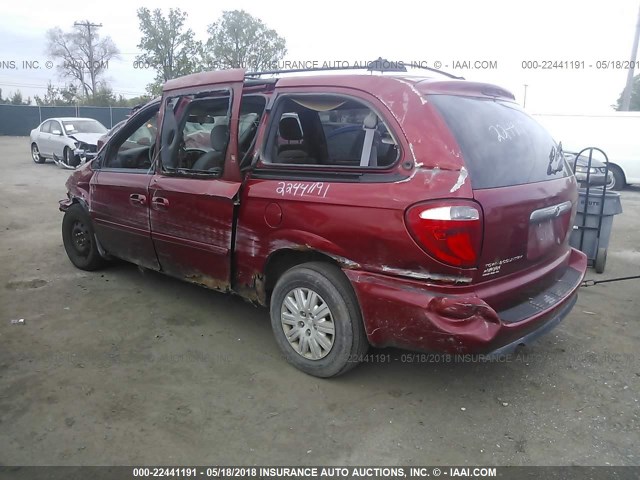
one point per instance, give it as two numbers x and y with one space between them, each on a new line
35 153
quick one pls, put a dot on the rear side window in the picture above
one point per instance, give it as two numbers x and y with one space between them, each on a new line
501 144
327 130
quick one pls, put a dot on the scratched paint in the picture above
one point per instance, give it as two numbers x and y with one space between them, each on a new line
423 100
461 179
423 275
418 166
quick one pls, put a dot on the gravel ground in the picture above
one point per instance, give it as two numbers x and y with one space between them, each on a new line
124 367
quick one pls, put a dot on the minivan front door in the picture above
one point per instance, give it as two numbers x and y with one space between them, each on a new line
120 193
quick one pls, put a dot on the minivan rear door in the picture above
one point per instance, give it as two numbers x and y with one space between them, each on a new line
519 177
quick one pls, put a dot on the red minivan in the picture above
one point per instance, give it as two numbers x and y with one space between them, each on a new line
424 213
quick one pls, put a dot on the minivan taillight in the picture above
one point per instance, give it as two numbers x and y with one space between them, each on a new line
450 231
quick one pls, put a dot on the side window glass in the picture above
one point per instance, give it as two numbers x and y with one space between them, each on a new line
202 135
46 127
135 150
332 131
251 109
55 128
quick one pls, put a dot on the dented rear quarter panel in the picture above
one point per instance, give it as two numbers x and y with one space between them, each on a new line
357 223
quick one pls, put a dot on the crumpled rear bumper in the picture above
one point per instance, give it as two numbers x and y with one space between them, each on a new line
403 313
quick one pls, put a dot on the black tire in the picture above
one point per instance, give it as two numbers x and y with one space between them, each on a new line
79 239
349 338
68 158
35 154
601 260
617 176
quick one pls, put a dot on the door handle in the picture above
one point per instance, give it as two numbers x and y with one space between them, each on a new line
159 203
137 199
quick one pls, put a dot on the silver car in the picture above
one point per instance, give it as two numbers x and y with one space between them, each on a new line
596 172
68 141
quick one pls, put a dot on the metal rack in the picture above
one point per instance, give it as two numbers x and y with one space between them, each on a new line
380 65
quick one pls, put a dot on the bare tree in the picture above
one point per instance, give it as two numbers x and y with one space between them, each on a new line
84 55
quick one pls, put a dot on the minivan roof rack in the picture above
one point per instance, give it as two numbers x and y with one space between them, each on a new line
380 65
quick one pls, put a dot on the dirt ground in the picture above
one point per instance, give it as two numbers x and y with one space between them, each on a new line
124 367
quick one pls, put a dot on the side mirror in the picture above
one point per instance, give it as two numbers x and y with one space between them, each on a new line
144 141
56 132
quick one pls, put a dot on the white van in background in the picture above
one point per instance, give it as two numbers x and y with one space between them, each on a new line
616 133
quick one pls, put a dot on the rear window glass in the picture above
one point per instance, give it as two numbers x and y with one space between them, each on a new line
501 144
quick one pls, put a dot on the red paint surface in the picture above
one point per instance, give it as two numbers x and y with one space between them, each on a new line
407 298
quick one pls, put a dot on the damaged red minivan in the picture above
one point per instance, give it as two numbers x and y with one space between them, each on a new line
430 214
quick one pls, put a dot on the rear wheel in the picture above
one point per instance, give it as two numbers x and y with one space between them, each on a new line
79 239
617 181
316 320
35 154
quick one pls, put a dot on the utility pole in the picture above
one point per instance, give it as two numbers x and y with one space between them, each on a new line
626 96
91 67
524 102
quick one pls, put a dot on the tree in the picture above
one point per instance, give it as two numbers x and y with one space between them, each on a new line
51 97
635 96
239 40
55 96
131 102
16 99
169 47
85 57
103 97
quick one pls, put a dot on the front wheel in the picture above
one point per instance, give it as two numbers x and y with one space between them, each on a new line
316 320
68 158
35 154
79 239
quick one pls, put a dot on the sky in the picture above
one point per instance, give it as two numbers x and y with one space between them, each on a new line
510 34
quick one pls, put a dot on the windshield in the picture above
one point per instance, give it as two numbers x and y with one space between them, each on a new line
83 126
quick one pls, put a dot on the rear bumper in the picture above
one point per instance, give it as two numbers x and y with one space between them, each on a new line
407 314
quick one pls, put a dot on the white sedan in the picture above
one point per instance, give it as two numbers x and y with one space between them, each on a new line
68 141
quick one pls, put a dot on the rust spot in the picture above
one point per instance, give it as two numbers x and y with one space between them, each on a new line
260 289
255 294
208 282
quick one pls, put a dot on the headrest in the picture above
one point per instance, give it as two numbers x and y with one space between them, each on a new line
370 121
290 129
219 137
